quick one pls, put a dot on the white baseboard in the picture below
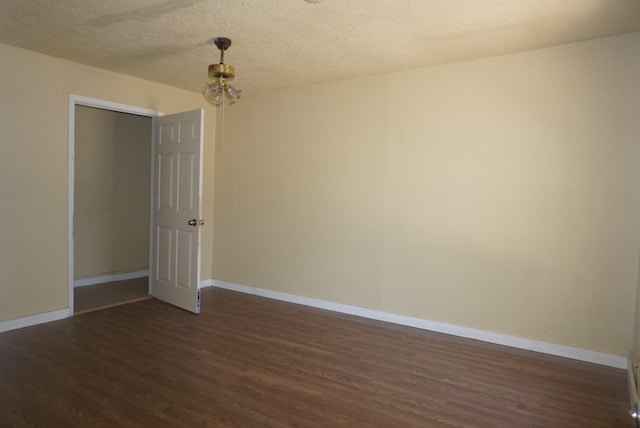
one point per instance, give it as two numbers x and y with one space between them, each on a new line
470 333
203 283
33 320
93 280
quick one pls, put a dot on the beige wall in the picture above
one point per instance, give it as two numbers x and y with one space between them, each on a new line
501 194
112 172
34 90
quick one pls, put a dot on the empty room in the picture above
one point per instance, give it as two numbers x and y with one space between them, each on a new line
334 213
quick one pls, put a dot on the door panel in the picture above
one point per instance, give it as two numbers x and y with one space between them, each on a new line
185 182
175 266
165 180
184 247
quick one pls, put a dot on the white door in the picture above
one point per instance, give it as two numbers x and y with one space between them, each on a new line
175 258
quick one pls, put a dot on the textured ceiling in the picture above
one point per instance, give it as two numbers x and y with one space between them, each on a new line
291 42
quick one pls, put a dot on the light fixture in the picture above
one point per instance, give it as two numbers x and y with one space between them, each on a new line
214 92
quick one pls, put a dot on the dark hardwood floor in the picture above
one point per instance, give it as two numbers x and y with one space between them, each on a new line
246 361
99 296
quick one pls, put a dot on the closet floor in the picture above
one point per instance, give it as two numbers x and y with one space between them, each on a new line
99 296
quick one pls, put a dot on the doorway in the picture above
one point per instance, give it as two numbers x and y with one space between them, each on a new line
110 169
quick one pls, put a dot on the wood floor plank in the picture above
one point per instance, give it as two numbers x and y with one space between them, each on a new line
247 361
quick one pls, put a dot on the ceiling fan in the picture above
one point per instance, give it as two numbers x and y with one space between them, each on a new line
221 74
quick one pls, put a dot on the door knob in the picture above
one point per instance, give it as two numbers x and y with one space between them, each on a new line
192 222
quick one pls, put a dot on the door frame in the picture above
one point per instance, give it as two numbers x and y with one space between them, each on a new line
75 100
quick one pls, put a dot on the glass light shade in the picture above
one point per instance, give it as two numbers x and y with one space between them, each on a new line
212 92
232 93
